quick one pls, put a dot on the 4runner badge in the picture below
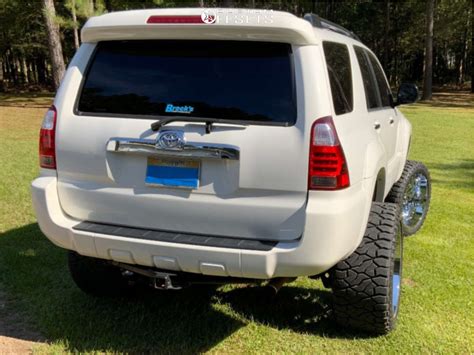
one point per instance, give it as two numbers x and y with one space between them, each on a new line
178 109
170 140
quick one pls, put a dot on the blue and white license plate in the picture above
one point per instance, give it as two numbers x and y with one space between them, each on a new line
172 172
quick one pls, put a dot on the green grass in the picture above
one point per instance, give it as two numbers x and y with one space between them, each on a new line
437 302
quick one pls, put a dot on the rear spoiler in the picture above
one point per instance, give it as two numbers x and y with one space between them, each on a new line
200 24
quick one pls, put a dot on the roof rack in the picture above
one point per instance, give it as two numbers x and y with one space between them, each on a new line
319 22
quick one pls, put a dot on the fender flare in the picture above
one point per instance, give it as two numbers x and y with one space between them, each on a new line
404 143
375 159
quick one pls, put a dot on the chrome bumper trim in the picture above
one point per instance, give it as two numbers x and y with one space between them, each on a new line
188 150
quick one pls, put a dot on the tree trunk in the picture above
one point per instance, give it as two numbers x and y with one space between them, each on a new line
201 3
386 35
108 5
227 3
31 72
41 70
428 72
12 68
2 85
54 42
21 73
26 75
74 24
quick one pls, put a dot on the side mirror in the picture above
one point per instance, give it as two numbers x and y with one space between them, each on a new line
407 94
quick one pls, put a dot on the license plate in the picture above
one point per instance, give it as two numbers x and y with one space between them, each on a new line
173 173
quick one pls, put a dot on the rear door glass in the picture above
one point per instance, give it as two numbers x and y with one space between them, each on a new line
384 89
370 87
236 80
340 76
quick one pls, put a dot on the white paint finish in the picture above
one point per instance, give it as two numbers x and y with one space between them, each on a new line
122 256
212 269
167 263
324 242
132 25
263 195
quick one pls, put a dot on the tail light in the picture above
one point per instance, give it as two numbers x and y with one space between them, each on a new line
327 163
47 146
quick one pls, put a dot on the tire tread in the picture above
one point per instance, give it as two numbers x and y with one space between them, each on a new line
361 283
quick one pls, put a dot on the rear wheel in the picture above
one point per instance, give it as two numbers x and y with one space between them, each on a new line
366 286
97 277
412 192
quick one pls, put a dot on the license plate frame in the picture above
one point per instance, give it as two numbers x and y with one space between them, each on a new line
173 173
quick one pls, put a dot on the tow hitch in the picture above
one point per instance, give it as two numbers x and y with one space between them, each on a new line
161 280
164 280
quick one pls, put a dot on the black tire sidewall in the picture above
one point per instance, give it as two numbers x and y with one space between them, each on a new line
362 283
96 277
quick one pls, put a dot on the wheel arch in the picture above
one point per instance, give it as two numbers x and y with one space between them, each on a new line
379 188
375 170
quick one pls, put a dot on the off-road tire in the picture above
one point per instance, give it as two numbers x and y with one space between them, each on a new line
97 277
362 284
396 194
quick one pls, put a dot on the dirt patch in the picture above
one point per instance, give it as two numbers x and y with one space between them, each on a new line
409 282
16 335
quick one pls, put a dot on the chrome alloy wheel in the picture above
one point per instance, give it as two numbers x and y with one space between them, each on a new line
415 200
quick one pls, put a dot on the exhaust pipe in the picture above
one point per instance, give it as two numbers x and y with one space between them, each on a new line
275 284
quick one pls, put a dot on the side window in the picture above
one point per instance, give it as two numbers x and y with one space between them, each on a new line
369 85
340 76
384 89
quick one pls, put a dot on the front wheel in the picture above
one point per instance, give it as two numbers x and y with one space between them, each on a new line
366 286
412 192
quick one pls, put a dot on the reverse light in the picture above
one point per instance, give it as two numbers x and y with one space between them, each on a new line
327 163
47 146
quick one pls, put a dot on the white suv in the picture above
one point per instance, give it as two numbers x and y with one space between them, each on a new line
193 148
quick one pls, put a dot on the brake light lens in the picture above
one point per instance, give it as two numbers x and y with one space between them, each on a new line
175 19
327 163
47 146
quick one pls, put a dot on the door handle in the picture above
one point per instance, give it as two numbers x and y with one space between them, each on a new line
391 120
377 125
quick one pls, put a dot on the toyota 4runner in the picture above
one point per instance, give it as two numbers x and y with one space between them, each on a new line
188 147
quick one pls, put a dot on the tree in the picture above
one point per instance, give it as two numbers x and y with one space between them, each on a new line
394 30
74 24
428 72
54 42
1 75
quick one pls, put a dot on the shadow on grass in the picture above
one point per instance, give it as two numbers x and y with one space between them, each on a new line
458 174
189 321
450 99
27 99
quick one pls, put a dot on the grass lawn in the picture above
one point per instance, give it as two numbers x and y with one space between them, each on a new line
437 310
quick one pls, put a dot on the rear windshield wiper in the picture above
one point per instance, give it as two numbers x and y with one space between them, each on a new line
155 126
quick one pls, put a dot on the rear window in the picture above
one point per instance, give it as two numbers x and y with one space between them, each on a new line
245 81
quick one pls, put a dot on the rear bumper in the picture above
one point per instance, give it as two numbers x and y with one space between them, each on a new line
335 223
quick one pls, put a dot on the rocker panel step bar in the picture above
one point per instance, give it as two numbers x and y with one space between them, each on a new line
171 237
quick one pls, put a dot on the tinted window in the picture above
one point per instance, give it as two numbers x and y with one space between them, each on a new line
369 85
384 89
340 76
250 81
